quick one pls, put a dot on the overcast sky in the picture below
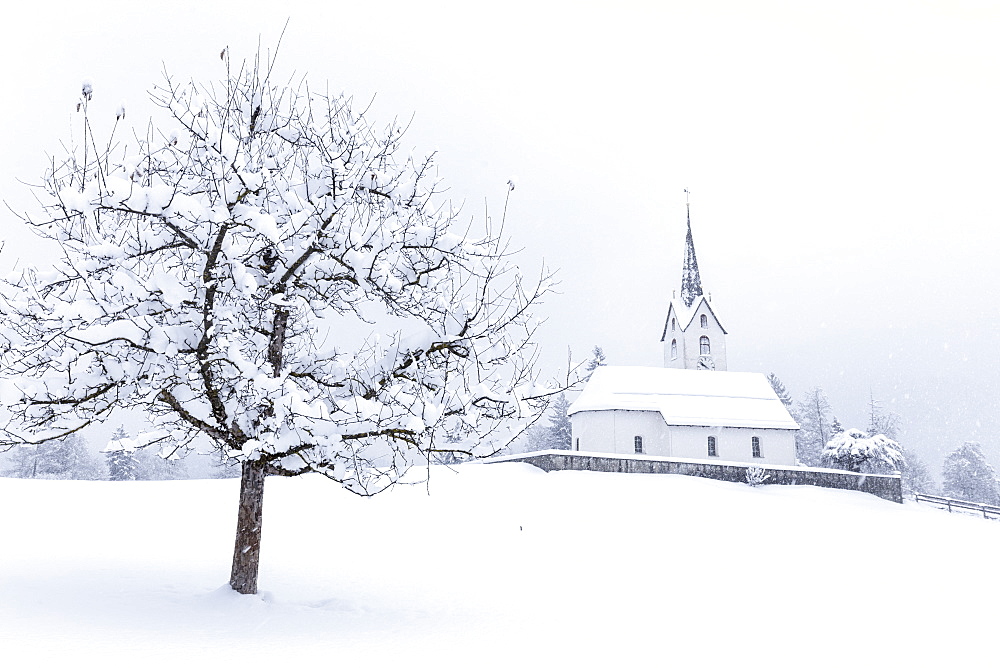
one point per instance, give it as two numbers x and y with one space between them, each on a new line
842 162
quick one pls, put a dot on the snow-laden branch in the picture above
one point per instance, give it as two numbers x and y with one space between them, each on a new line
269 270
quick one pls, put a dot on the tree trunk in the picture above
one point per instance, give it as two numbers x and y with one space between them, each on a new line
246 554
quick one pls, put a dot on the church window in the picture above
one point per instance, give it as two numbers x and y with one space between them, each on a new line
704 321
673 349
712 451
673 324
638 445
755 446
706 347
577 444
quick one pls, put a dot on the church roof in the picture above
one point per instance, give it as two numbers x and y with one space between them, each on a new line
686 397
685 315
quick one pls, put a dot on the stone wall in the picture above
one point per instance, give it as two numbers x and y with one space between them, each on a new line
888 487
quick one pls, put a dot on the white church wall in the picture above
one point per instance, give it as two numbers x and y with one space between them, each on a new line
716 338
615 431
688 341
777 446
673 359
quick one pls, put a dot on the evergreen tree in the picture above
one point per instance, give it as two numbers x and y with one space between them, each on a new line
122 463
815 427
968 476
597 359
560 430
64 459
780 390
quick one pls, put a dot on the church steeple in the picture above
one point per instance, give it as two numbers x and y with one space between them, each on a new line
690 278
693 337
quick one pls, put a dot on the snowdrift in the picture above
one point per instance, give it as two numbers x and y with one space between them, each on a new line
498 565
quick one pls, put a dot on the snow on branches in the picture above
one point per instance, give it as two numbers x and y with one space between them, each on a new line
269 270
854 450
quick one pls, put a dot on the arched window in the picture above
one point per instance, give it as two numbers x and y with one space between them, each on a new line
638 445
577 444
704 321
673 324
755 446
712 451
673 349
706 347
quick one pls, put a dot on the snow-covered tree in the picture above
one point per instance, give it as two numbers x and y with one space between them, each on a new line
596 359
137 459
881 421
853 450
224 467
560 430
557 434
66 458
159 464
122 462
916 479
916 476
815 420
780 390
267 269
967 475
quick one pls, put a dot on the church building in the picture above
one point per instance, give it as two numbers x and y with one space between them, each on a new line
691 408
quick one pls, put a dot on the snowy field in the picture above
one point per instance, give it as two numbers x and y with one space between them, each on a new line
499 565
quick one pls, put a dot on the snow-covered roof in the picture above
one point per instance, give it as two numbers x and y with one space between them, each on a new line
687 397
685 314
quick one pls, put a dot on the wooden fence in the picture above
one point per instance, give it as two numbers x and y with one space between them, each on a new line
952 505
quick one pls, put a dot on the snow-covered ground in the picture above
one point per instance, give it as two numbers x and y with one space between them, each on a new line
500 565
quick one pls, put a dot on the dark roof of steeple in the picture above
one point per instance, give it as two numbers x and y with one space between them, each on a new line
690 278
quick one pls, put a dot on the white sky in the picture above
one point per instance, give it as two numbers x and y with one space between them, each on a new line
843 162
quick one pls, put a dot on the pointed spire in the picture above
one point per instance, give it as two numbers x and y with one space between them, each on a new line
690 278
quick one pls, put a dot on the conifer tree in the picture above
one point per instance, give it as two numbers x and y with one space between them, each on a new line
597 359
780 390
122 462
560 430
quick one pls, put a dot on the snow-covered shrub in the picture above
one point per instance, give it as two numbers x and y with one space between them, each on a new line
853 450
755 476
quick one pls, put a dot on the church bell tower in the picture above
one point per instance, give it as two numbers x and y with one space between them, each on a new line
693 337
